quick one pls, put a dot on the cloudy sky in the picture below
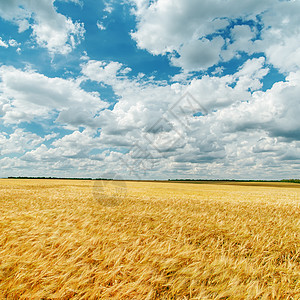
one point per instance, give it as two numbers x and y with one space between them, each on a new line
151 89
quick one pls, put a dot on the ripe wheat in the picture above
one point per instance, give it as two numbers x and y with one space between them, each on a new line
161 241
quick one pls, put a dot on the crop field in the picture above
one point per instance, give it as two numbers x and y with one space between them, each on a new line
77 239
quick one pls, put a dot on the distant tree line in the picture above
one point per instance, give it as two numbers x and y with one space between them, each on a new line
66 178
38 177
200 180
291 180
237 180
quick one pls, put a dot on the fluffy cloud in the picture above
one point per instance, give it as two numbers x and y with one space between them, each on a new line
101 71
224 126
73 146
181 28
274 111
199 54
10 43
51 29
26 95
3 43
19 141
100 25
163 26
168 139
280 36
241 40
13 43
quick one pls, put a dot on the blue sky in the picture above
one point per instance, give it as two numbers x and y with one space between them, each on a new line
150 89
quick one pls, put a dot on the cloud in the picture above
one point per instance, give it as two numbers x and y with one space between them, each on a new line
229 126
141 102
108 6
3 44
50 29
163 26
27 95
199 54
241 40
239 115
274 111
101 71
280 36
197 35
79 2
13 43
19 141
100 25
67 151
243 130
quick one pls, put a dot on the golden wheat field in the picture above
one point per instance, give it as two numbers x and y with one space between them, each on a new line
68 239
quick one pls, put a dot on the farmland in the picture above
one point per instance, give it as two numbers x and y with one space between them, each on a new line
67 239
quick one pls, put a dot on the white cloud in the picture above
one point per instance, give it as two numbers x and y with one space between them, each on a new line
246 131
79 2
19 141
100 25
101 71
241 41
253 68
163 26
108 6
3 44
50 136
51 29
84 56
199 54
181 28
239 116
26 95
76 145
280 36
10 43
237 130
218 71
13 43
274 111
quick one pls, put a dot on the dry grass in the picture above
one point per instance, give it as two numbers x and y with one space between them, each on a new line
165 241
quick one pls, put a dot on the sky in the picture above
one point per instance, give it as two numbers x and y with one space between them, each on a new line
150 89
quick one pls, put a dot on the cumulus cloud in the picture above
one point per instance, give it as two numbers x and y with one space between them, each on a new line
241 40
100 25
280 36
50 29
227 125
274 111
239 116
73 146
182 29
13 43
199 54
163 26
19 141
26 95
3 43
142 105
235 124
101 71
108 6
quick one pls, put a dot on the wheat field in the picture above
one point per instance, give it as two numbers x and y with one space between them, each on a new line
68 239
